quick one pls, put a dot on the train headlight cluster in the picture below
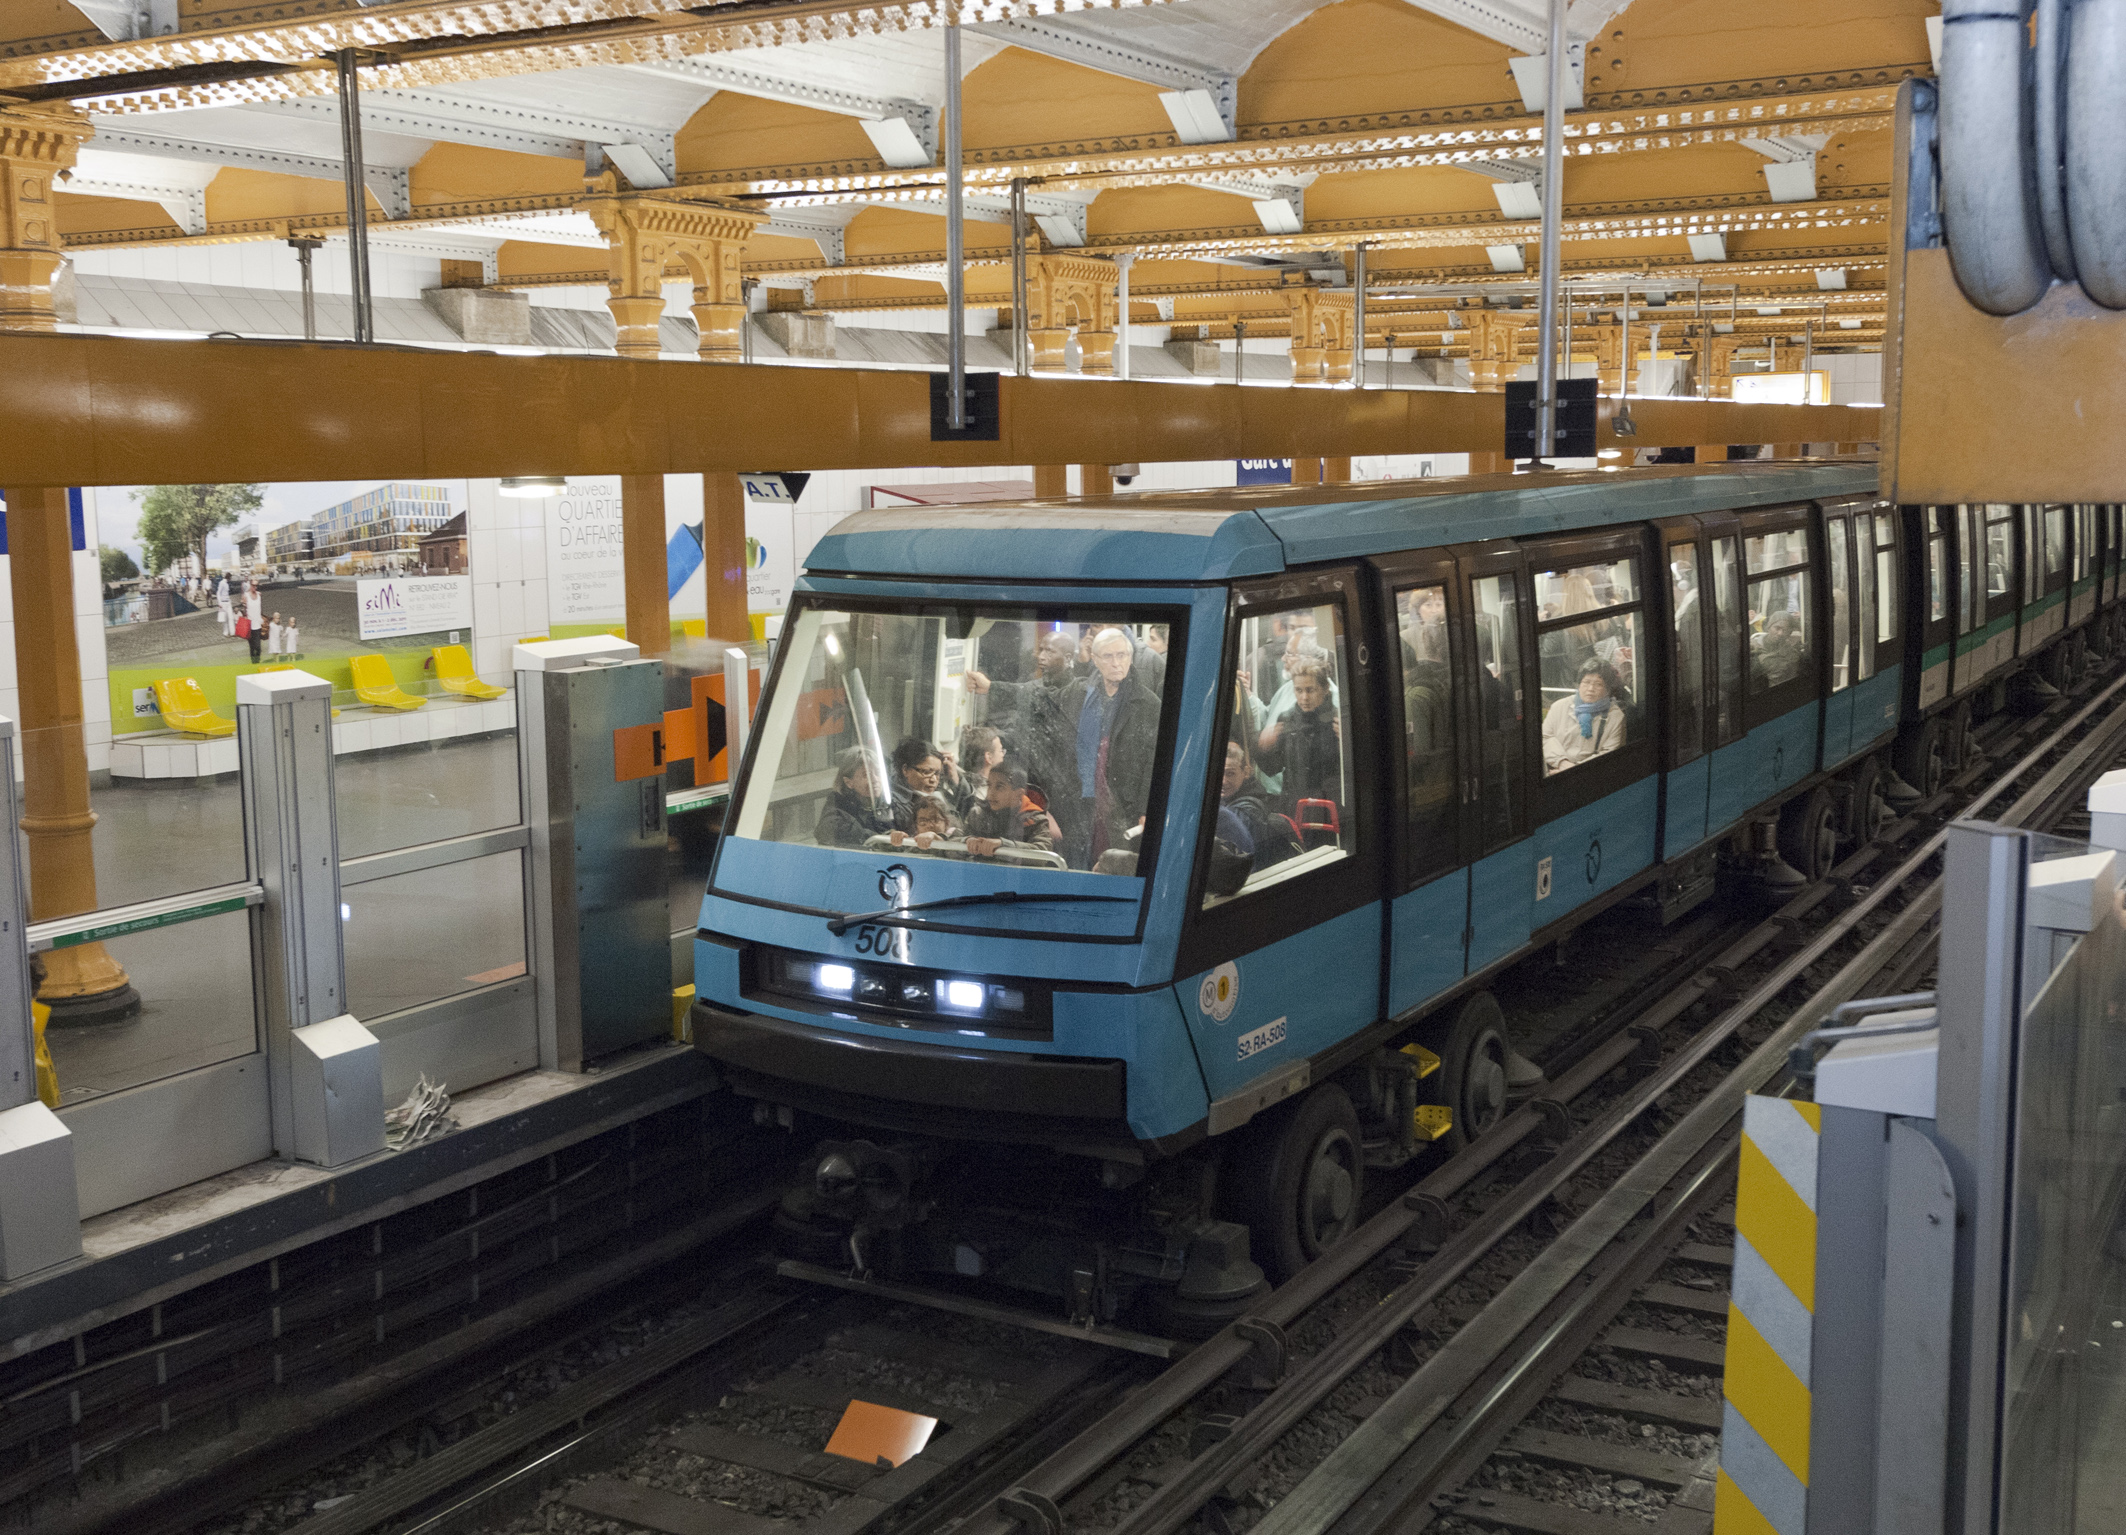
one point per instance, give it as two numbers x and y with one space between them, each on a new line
902 994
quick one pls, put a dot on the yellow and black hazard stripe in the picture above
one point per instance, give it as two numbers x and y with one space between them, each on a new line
1764 1439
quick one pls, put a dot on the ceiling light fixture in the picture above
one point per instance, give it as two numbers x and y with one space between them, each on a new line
531 486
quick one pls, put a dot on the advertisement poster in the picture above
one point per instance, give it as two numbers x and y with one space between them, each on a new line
771 539
586 583
395 605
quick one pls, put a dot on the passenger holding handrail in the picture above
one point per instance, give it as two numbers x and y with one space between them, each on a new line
1039 719
1587 723
1304 744
1117 740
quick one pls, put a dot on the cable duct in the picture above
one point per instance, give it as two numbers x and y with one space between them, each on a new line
2096 168
1989 206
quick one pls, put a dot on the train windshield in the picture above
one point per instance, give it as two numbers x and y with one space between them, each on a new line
1004 735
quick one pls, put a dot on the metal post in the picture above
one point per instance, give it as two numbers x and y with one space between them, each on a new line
1546 358
325 1082
357 195
1808 356
1358 316
955 267
1021 344
1240 342
1705 350
738 703
1122 262
18 1075
305 246
1566 370
1624 350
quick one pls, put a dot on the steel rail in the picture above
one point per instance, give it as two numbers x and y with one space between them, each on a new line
1177 1500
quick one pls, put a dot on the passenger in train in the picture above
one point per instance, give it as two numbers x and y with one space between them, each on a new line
851 813
1781 652
917 769
1271 839
1148 665
1007 814
1304 744
967 770
1117 740
1587 724
1040 719
929 820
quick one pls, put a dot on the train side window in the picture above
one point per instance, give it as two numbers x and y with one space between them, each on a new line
1587 640
1727 640
2055 545
1970 589
1427 682
1937 566
1835 531
1285 801
1781 625
2084 540
1687 653
2000 550
1502 750
1885 586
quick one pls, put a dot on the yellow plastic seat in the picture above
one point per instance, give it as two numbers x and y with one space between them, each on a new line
375 686
184 707
454 671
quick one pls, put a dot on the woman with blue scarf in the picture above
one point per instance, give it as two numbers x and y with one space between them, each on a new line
1587 723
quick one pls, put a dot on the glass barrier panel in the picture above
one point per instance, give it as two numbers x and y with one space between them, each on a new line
194 984
399 782
432 933
2063 1390
691 832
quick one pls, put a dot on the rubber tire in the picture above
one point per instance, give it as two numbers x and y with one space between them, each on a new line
1922 760
1956 739
1310 1153
1867 805
1473 1071
1808 834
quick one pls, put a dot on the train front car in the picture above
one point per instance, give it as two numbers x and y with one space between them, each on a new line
948 900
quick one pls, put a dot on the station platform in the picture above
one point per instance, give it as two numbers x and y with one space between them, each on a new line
146 1254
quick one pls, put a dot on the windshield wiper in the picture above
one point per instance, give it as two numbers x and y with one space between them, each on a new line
839 925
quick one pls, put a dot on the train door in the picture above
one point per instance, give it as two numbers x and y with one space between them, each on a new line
1281 953
1691 691
1780 673
1428 920
2114 515
2044 578
1598 692
1987 591
1498 722
2085 549
1877 680
1935 604
1840 647
1731 637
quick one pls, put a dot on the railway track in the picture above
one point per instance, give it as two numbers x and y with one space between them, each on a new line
1527 1338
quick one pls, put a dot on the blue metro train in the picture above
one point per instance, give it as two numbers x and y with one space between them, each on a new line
1133 870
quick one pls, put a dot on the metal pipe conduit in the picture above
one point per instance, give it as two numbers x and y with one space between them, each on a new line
1989 206
2096 171
2049 134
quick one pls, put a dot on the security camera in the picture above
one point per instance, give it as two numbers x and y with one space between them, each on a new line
1124 473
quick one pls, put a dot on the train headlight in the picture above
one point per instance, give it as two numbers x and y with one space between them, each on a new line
838 979
962 996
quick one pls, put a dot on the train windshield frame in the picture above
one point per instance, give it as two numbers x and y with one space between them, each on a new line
868 735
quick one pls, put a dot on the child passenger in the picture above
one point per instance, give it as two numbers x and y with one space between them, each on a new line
1005 814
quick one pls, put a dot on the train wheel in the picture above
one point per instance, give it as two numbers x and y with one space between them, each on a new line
1298 1178
1868 809
1921 760
1473 1070
1956 739
1808 834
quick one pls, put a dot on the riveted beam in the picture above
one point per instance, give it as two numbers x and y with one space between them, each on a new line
388 182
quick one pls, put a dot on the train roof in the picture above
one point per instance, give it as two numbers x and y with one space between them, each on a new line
1212 535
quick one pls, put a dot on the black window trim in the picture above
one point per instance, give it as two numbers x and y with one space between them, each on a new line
1253 920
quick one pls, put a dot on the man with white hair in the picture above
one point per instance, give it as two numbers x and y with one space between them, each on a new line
1117 738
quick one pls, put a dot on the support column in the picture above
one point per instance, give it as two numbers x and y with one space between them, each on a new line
36 144
1060 285
1336 471
1095 480
645 233
1306 471
1051 480
1494 349
723 549
649 602
1321 336
82 983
